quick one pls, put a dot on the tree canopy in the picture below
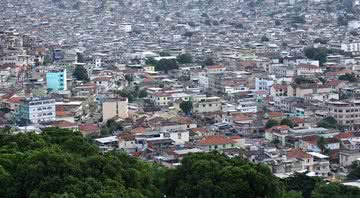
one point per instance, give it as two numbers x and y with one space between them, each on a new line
287 121
61 163
186 106
328 122
80 73
348 77
184 58
319 54
271 123
215 175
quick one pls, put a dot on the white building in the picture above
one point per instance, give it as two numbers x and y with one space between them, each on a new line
36 110
203 80
126 27
263 84
247 107
179 137
353 47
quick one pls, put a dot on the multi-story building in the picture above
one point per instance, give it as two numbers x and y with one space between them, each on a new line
353 47
36 110
247 106
207 104
263 84
161 98
114 107
347 113
56 80
126 27
301 90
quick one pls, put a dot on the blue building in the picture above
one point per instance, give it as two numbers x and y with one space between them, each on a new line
56 80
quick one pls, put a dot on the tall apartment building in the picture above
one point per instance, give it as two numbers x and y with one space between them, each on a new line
36 110
347 113
56 80
114 107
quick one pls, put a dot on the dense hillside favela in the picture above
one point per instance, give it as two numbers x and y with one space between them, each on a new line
180 98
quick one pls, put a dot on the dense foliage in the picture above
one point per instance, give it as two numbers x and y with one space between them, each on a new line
214 175
61 163
186 106
80 73
271 123
328 122
348 77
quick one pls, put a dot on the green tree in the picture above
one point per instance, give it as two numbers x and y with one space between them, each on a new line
143 93
164 53
62 163
265 39
186 107
215 175
321 143
324 190
354 173
348 77
342 21
48 59
166 65
299 19
129 78
151 61
319 54
328 122
80 73
277 22
184 58
271 123
302 80
80 57
299 182
209 61
320 40
287 121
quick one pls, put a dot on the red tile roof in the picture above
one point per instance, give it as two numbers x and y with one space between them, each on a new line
311 139
345 135
299 154
199 130
161 94
15 100
215 67
138 130
279 86
297 120
235 137
88 128
63 124
216 140
127 137
281 127
102 78
275 114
